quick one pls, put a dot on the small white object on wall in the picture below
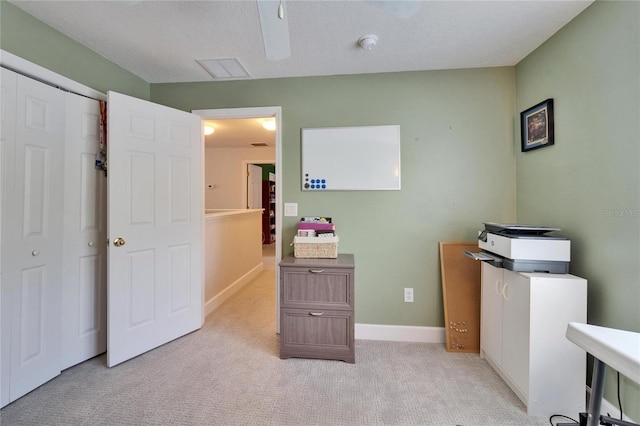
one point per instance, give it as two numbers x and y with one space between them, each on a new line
291 209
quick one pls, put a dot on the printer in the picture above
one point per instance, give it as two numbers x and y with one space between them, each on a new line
523 248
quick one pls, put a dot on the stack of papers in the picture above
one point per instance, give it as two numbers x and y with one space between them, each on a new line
316 226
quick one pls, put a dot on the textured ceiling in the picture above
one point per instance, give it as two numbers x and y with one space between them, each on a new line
160 41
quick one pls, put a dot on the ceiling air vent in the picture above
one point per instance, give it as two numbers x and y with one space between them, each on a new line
224 69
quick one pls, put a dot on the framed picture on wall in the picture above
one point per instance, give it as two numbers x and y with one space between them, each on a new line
536 126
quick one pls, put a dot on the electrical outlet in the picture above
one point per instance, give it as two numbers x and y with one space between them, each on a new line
408 295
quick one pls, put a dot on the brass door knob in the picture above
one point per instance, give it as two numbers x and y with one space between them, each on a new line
118 242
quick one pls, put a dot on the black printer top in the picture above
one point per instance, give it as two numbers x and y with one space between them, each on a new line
516 229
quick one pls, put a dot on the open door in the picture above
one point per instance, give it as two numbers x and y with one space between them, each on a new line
155 228
254 186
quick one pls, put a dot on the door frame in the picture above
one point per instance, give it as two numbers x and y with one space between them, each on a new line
260 112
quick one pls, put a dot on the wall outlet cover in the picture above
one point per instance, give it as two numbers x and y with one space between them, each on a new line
291 209
408 295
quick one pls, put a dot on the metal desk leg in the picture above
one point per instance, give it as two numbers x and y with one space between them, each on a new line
597 391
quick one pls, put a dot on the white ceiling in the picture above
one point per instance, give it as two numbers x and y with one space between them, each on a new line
160 41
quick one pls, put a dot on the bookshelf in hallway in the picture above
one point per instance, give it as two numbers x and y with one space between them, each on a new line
269 210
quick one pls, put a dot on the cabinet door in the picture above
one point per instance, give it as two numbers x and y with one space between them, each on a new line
491 312
515 331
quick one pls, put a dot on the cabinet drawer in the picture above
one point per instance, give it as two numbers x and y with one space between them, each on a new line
317 334
317 288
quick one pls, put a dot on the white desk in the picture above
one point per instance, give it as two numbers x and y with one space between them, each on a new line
616 348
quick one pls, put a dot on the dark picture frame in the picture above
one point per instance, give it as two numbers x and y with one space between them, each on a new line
536 126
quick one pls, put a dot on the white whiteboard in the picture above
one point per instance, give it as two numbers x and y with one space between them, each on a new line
365 158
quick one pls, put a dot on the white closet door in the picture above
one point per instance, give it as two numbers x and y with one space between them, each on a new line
84 290
32 236
8 83
155 198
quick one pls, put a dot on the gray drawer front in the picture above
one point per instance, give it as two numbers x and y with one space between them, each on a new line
329 289
317 334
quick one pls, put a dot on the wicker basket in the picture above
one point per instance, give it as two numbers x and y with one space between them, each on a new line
315 247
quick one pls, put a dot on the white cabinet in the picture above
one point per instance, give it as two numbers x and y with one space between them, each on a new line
523 325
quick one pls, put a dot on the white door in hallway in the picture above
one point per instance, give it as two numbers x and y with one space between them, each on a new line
155 226
254 186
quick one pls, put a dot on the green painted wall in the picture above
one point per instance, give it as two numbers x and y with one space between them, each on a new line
26 37
457 166
588 183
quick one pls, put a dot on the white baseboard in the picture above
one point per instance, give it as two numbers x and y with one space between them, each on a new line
217 300
400 333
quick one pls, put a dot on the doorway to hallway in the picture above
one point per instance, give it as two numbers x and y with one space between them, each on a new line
274 113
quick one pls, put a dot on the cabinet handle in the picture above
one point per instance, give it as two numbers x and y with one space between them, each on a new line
498 290
316 271
504 291
316 314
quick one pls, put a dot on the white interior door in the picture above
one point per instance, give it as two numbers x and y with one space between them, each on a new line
155 204
84 287
31 235
254 186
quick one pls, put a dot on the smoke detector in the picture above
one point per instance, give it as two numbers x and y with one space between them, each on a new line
368 42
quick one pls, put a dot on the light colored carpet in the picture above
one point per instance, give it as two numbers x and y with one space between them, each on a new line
229 373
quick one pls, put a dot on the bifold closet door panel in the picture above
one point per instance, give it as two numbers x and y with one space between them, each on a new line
84 289
32 237
8 87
